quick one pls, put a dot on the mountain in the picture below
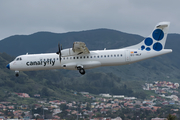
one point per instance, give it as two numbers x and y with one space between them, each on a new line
164 67
43 42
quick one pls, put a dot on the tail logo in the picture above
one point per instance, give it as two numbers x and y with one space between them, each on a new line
157 36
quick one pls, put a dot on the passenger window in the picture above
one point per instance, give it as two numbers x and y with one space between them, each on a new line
111 55
117 55
121 54
84 57
74 57
114 55
77 57
87 56
64 58
67 57
97 56
54 59
70 57
81 57
104 55
91 56
44 59
101 55
107 55
94 56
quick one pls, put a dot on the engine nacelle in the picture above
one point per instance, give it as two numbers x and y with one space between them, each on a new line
68 52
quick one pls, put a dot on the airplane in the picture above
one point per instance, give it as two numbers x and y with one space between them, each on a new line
80 58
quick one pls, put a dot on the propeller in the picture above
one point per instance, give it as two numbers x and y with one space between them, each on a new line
59 51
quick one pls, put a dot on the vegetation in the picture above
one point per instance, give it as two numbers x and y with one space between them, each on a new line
171 117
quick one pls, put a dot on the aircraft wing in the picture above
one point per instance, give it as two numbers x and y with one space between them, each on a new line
80 48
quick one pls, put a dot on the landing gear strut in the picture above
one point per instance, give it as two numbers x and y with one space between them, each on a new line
81 70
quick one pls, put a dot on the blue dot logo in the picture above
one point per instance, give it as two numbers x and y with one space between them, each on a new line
148 48
150 44
158 34
157 46
148 41
142 47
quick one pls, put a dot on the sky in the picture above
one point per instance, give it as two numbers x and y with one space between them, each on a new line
24 17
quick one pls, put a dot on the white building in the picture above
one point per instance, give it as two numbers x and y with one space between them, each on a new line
105 95
118 96
130 98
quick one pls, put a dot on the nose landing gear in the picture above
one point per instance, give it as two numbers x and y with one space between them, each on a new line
16 73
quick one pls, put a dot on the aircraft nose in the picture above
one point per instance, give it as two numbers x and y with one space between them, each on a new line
8 66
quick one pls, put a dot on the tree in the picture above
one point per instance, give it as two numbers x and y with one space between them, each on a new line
171 117
63 114
45 91
63 107
88 107
125 86
23 114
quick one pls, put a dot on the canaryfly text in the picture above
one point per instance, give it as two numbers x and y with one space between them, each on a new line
44 63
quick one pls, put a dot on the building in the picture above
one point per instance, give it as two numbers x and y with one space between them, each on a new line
159 119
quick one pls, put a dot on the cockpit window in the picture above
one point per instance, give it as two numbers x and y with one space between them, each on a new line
18 59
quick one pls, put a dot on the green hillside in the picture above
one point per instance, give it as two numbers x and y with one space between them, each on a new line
42 42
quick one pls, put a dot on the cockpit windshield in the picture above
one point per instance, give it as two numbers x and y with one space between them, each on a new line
18 59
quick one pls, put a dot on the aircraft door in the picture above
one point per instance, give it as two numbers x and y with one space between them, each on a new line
127 56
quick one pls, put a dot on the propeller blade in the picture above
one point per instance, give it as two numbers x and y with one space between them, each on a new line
59 52
58 49
61 46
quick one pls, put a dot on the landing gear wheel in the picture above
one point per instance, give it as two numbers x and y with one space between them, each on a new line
17 74
82 71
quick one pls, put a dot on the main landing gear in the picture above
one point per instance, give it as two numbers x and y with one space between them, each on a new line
81 70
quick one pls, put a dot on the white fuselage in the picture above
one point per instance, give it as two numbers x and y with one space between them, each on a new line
94 59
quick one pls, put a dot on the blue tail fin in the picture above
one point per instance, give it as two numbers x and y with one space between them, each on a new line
156 40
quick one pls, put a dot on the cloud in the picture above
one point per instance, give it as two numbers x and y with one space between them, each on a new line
138 17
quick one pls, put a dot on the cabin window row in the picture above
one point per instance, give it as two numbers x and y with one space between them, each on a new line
82 57
48 59
99 56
